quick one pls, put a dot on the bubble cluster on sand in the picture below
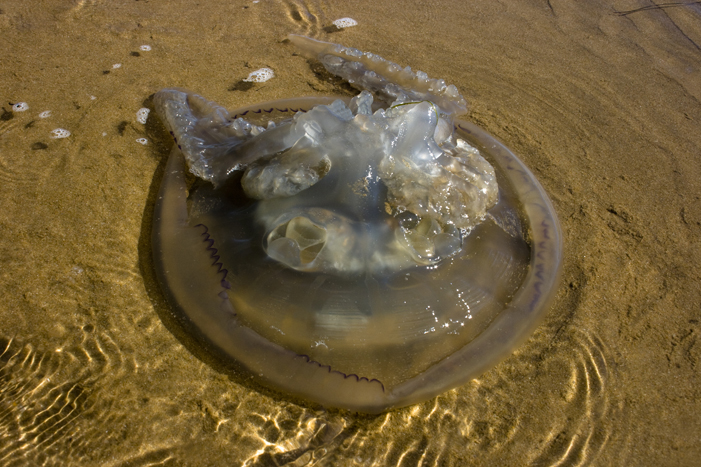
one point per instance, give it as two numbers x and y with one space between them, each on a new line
117 65
60 133
143 141
142 115
345 23
20 107
260 76
145 48
45 114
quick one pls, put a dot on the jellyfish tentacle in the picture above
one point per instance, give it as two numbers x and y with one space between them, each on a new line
213 143
386 79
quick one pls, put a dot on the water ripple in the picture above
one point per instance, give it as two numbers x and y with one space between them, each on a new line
584 401
52 410
570 426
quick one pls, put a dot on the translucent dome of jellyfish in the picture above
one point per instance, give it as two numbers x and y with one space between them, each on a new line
362 254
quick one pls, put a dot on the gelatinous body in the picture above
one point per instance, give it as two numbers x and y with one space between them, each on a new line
349 254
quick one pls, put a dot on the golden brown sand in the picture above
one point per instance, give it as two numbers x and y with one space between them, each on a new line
603 107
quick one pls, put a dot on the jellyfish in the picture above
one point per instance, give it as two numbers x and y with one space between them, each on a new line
365 253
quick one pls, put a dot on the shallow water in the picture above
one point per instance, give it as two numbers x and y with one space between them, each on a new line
602 106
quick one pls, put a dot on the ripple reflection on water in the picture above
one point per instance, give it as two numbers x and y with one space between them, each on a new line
62 405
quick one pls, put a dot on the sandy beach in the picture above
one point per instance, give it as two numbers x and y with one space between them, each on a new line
601 100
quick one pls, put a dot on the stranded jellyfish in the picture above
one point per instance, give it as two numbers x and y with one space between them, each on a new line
363 254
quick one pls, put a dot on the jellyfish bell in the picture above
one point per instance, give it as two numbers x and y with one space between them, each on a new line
351 254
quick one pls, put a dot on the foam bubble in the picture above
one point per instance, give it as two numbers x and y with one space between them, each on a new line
60 133
45 114
92 98
142 115
260 76
20 107
145 48
117 65
143 141
345 23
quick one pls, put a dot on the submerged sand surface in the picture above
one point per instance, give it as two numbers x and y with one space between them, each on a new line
600 99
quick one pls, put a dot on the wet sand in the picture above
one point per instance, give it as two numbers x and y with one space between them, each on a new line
600 99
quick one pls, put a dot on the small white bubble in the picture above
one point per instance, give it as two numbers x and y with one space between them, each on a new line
345 23
260 76
92 98
141 140
142 115
145 48
104 133
117 65
60 133
45 114
20 107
